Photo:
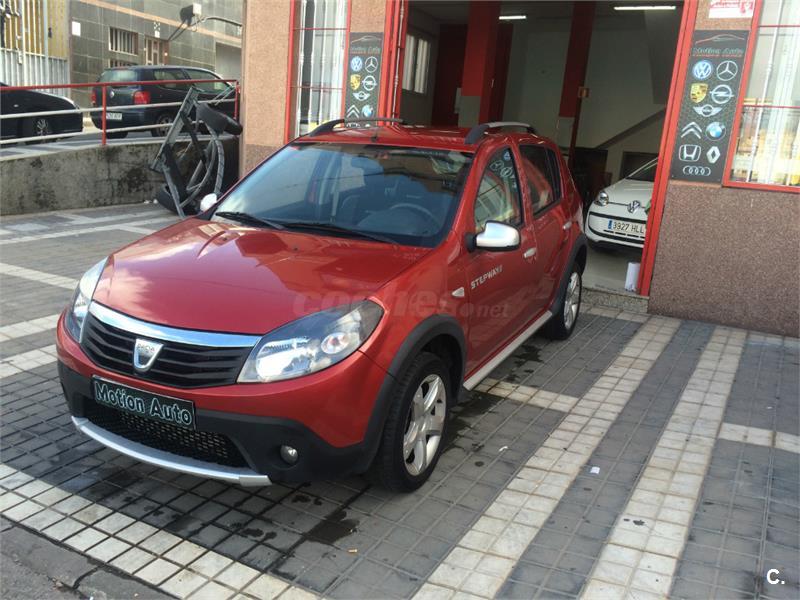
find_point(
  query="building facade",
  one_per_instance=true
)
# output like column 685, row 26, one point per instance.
column 137, row 32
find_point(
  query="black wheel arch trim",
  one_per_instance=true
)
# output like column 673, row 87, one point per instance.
column 579, row 244
column 429, row 329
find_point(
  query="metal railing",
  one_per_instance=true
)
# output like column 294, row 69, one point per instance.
column 104, row 108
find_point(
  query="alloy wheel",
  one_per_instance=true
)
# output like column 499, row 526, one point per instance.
column 572, row 300
column 42, row 127
column 425, row 424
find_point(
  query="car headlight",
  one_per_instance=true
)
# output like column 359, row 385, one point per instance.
column 79, row 307
column 311, row 343
column 602, row 198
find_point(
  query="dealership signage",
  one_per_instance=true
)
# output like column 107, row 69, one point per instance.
column 363, row 83
column 708, row 105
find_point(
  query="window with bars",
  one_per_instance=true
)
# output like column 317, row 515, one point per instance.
column 768, row 141
column 416, row 64
column 155, row 51
column 122, row 41
column 318, row 61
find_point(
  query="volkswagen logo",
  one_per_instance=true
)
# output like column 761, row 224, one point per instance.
column 634, row 206
column 145, row 353
column 702, row 69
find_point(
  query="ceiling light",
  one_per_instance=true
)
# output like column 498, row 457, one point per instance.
column 513, row 17
column 646, row 7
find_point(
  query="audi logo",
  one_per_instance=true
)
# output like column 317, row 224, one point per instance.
column 696, row 170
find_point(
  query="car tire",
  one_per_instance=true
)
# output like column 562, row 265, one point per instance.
column 562, row 323
column 164, row 119
column 420, row 406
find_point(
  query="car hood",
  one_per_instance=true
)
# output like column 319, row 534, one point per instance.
column 627, row 190
column 214, row 276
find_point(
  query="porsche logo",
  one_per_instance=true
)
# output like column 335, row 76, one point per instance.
column 355, row 81
column 698, row 92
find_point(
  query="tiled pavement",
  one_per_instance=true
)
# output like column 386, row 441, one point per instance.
column 644, row 457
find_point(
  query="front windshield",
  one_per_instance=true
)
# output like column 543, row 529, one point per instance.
column 645, row 173
column 405, row 195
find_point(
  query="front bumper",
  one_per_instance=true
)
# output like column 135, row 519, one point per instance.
column 333, row 418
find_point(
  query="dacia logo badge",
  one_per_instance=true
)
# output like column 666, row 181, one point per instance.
column 634, row 206
column 145, row 353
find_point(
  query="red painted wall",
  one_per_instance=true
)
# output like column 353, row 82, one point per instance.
column 452, row 44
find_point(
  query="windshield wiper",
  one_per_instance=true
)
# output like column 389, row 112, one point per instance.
column 247, row 218
column 330, row 227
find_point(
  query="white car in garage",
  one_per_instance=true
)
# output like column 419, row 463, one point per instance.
column 618, row 216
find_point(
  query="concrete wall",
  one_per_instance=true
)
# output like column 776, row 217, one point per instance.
column 97, row 176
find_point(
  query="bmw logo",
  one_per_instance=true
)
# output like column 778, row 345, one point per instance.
column 702, row 69
column 367, row 111
column 715, row 131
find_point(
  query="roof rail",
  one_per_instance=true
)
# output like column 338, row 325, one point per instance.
column 328, row 126
column 476, row 133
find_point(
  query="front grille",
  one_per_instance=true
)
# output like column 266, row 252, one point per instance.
column 201, row 445
column 177, row 365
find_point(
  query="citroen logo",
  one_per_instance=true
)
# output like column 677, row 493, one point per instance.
column 145, row 353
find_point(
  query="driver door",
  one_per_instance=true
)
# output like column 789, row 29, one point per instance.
column 500, row 284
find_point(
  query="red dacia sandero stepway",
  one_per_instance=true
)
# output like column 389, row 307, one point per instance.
column 323, row 317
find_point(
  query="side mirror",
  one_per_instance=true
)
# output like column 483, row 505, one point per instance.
column 207, row 202
column 498, row 237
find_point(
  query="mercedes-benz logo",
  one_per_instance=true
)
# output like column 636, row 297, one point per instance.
column 727, row 70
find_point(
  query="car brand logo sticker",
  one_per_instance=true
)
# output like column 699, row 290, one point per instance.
column 689, row 153
column 356, row 64
column 361, row 95
column 715, row 131
column 707, row 110
column 371, row 64
column 634, row 206
column 713, row 154
column 355, row 81
column 367, row 111
column 369, row 83
column 702, row 69
column 721, row 94
column 727, row 70
column 696, row 170
column 691, row 129
column 145, row 353
column 352, row 112
column 698, row 92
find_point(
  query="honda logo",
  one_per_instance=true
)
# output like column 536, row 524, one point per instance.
column 145, row 353
column 689, row 153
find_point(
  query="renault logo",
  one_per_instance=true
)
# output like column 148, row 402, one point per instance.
column 145, row 353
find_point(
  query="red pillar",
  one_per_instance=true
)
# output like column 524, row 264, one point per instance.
column 580, row 38
column 479, row 58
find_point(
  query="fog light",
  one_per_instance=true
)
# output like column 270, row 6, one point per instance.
column 289, row 454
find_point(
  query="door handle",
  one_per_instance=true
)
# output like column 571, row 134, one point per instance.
column 566, row 226
column 530, row 252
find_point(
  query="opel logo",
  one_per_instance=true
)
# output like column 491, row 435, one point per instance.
column 634, row 206
column 145, row 353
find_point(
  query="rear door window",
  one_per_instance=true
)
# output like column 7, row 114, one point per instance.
column 498, row 197
column 119, row 75
column 170, row 75
column 211, row 86
column 543, row 178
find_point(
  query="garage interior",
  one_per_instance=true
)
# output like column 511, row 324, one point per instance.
column 593, row 76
